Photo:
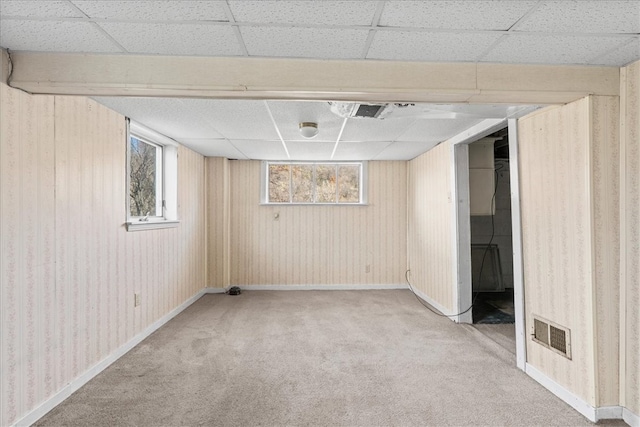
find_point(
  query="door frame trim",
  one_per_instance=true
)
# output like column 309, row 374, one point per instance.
column 462, row 226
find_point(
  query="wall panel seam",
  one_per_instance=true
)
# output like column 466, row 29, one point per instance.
column 592, row 251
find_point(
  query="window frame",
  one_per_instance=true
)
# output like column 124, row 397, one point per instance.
column 166, row 186
column 264, row 184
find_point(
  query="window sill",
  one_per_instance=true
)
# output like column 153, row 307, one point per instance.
column 151, row 225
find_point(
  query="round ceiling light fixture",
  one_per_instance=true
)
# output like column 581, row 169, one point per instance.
column 308, row 129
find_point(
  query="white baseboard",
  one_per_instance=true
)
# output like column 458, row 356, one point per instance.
column 609, row 413
column 442, row 309
column 320, row 287
column 567, row 396
column 214, row 290
column 37, row 413
column 630, row 418
column 593, row 414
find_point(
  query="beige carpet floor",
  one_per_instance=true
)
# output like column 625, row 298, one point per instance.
column 328, row 358
column 503, row 334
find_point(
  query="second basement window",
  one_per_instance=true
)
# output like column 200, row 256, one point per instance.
column 313, row 183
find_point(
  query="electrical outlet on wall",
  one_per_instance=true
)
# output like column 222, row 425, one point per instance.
column 367, row 269
column 137, row 300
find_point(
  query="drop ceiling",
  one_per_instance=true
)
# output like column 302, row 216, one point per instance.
column 242, row 129
column 524, row 32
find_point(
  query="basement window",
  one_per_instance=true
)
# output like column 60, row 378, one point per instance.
column 152, row 163
column 300, row 183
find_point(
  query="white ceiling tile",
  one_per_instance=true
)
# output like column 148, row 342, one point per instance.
column 310, row 150
column 405, row 150
column 43, row 9
column 164, row 10
column 437, row 130
column 289, row 114
column 362, row 150
column 242, row 129
column 584, row 17
column 261, row 150
column 304, row 42
column 375, row 129
column 547, row 49
column 236, row 119
column 429, row 46
column 54, row 36
column 468, row 15
column 169, row 116
column 175, row 39
column 625, row 54
column 213, row 148
column 304, row 12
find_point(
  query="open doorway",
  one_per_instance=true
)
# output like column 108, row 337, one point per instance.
column 491, row 230
column 475, row 177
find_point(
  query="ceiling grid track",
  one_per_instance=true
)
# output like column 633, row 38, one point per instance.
column 390, row 28
column 374, row 26
column 236, row 28
column 335, row 147
column 511, row 29
column 450, row 57
column 609, row 52
column 525, row 16
column 275, row 125
column 98, row 27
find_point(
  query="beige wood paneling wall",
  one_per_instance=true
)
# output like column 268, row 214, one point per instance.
column 323, row 245
column 604, row 174
column 217, row 178
column 431, row 225
column 630, row 232
column 569, row 201
column 28, row 332
column 69, row 267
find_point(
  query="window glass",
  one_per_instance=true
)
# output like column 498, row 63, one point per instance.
column 279, row 183
column 302, row 188
column 308, row 183
column 145, row 181
column 325, row 184
column 348, row 184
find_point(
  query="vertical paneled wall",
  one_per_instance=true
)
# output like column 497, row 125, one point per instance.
column 69, row 267
column 29, row 338
column 217, row 178
column 569, row 197
column 554, row 161
column 605, row 225
column 308, row 245
column 630, row 234
column 431, row 225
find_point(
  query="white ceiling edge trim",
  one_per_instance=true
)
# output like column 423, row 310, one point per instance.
column 482, row 129
column 145, row 132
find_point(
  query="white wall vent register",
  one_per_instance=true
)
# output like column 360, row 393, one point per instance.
column 553, row 336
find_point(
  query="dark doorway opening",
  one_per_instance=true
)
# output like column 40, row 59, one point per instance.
column 491, row 225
